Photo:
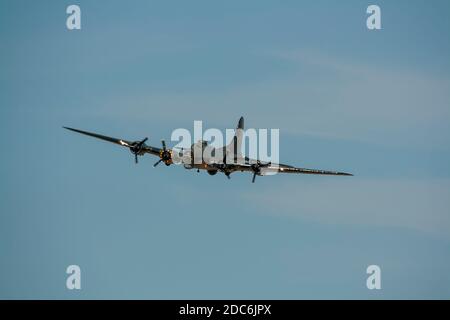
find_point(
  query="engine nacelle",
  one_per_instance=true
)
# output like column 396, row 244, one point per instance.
column 212, row 172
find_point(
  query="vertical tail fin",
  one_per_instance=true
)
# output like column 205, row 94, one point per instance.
column 234, row 150
column 239, row 136
column 241, row 123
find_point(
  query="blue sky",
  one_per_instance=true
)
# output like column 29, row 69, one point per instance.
column 345, row 98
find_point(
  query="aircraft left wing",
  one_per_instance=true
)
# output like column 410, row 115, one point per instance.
column 283, row 168
column 264, row 168
column 289, row 169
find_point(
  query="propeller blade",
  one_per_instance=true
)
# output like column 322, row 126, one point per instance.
column 140, row 143
column 254, row 177
column 157, row 162
column 163, row 144
column 136, row 158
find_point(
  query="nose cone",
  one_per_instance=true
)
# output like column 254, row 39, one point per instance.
column 241, row 123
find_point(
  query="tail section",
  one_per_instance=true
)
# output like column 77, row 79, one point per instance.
column 233, row 151
column 241, row 123
column 238, row 137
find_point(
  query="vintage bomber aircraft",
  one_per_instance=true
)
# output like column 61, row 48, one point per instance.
column 232, row 151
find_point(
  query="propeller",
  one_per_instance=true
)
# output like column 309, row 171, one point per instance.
column 136, row 148
column 223, row 167
column 256, row 167
column 165, row 155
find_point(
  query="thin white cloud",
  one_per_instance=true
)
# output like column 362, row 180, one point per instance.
column 411, row 204
column 346, row 101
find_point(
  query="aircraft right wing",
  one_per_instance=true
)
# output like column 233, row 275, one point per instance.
column 121, row 142
column 138, row 148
